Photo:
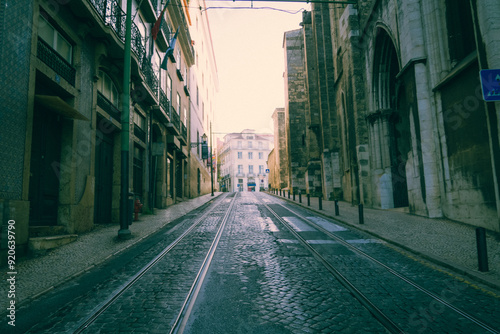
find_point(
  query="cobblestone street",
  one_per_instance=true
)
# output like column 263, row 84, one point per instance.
column 262, row 279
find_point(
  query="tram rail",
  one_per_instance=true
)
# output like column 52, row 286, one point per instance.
column 85, row 323
column 380, row 315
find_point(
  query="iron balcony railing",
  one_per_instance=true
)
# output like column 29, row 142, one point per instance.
column 113, row 16
column 184, row 132
column 175, row 119
column 151, row 78
column 108, row 107
column 50, row 57
column 164, row 103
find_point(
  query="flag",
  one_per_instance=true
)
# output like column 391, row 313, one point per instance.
column 157, row 26
column 170, row 50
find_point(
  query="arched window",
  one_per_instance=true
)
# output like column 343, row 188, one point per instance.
column 107, row 88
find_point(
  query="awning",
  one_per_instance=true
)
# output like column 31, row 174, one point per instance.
column 55, row 103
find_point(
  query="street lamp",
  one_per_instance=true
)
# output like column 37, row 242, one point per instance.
column 205, row 154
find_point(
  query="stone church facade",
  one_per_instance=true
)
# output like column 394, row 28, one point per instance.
column 395, row 112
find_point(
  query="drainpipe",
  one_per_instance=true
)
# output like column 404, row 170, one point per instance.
column 125, row 214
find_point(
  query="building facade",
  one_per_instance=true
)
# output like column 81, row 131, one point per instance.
column 402, row 119
column 278, row 158
column 61, row 121
column 243, row 161
column 203, row 85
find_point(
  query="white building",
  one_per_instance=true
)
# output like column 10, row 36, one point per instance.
column 243, row 161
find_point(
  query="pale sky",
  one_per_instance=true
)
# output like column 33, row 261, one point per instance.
column 248, row 46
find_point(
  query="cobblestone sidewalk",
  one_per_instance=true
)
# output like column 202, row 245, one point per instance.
column 38, row 275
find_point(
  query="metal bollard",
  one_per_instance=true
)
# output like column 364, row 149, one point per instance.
column 288, row 193
column 294, row 196
column 300, row 197
column 280, row 192
column 336, row 207
column 482, row 251
column 308, row 200
column 320, row 199
column 360, row 210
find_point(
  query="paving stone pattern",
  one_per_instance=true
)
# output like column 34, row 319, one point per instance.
column 260, row 284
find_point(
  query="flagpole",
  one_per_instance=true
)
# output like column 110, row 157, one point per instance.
column 125, row 211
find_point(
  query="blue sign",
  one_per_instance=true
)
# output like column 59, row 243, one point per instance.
column 267, row 170
column 490, row 82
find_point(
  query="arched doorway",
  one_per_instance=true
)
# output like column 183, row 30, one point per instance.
column 390, row 123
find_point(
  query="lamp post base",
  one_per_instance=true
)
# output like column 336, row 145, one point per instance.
column 124, row 234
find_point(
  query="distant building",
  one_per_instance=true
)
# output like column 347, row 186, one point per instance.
column 243, row 161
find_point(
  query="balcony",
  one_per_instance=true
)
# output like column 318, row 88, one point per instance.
column 150, row 76
column 238, row 174
column 183, row 136
column 164, row 103
column 139, row 133
column 53, row 60
column 108, row 107
column 175, row 122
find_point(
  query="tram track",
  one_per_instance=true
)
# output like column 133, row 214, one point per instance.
column 185, row 312
column 91, row 318
column 379, row 314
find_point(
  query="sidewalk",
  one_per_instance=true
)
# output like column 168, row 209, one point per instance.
column 36, row 276
column 442, row 241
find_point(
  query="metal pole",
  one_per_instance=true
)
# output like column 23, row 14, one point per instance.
column 336, row 207
column 360, row 210
column 124, row 232
column 300, row 196
column 211, row 161
column 482, row 251
column 308, row 199
column 320, row 199
column 294, row 195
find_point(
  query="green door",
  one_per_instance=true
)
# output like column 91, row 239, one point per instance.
column 45, row 167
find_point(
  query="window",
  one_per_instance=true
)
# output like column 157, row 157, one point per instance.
column 169, row 88
column 54, row 39
column 240, row 169
column 178, row 103
column 261, row 155
column 460, row 26
column 139, row 120
column 249, row 144
column 240, row 155
column 250, row 155
column 184, row 117
column 261, row 169
column 178, row 59
column 239, row 144
column 107, row 88
column 260, row 145
column 250, row 169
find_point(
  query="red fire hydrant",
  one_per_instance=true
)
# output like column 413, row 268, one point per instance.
column 137, row 208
